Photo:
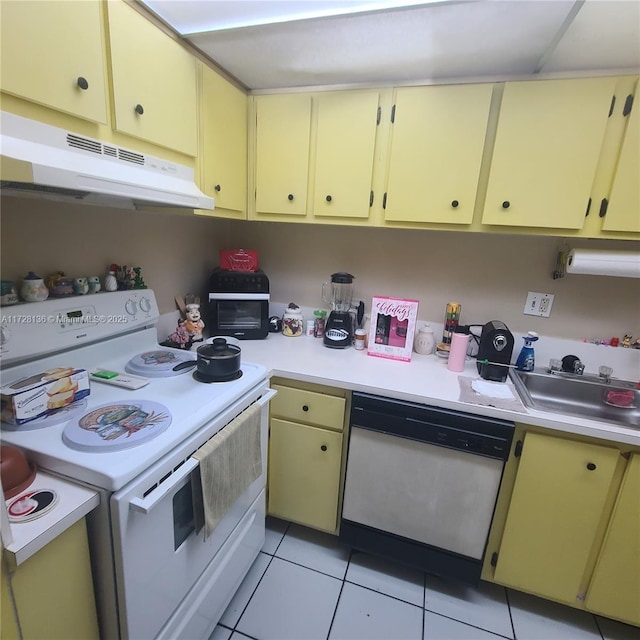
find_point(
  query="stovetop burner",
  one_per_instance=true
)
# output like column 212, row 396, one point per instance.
column 160, row 363
column 207, row 380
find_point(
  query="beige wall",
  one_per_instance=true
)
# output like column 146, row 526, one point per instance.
column 176, row 251
column 488, row 274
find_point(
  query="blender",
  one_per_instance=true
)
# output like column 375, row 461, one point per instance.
column 338, row 295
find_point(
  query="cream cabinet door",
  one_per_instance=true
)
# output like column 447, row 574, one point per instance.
column 437, row 142
column 223, row 145
column 154, row 82
column 547, row 146
column 623, row 210
column 615, row 588
column 304, row 474
column 283, row 126
column 53, row 54
column 556, row 510
column 344, row 158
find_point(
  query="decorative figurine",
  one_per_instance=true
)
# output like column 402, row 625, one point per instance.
column 110, row 280
column 80, row 286
column 138, row 282
column 94, row 284
column 193, row 321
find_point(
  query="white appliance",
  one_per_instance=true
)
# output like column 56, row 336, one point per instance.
column 46, row 161
column 155, row 576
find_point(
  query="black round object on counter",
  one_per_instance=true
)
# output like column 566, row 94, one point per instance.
column 218, row 361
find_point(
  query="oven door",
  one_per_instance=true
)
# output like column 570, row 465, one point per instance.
column 171, row 582
column 242, row 315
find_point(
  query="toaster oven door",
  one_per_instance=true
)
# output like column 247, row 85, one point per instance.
column 242, row 315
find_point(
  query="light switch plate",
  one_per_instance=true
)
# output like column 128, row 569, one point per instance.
column 538, row 304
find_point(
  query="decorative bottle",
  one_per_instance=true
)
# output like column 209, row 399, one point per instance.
column 526, row 360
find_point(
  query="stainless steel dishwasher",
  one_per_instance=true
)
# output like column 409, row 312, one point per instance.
column 421, row 483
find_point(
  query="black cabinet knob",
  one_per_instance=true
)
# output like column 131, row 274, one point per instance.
column 454, row 203
column 82, row 83
column 290, row 197
column 591, row 466
column 217, row 188
column 506, row 204
column 328, row 198
column 139, row 109
column 305, row 407
column 323, row 447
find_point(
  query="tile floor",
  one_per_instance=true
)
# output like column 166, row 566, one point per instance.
column 305, row 585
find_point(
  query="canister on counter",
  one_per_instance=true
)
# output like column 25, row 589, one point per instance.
column 320, row 316
column 451, row 319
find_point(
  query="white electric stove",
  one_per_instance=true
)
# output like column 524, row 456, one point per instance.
column 156, row 576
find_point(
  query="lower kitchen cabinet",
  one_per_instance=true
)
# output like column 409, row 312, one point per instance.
column 619, row 559
column 559, row 510
column 50, row 595
column 306, row 447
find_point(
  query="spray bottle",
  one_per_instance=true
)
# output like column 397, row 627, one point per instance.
column 526, row 359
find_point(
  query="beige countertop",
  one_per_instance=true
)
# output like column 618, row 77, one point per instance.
column 424, row 379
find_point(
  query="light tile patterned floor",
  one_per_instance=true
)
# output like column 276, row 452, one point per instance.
column 305, row 585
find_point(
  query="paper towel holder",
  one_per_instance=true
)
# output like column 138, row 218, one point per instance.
column 625, row 264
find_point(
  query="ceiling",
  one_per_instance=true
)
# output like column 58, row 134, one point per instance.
column 288, row 43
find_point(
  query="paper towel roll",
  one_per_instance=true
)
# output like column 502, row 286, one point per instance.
column 625, row 264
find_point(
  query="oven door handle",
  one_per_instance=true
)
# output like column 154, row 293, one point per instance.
column 267, row 397
column 144, row 505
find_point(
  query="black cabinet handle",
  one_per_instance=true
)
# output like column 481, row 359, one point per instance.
column 323, row 447
column 454, row 203
column 328, row 198
column 305, row 407
column 506, row 204
column 290, row 197
column 139, row 109
column 217, row 188
column 82, row 83
column 591, row 466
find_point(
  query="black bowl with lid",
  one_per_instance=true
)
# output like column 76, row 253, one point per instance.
column 218, row 362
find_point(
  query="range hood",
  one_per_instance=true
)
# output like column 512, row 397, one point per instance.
column 45, row 161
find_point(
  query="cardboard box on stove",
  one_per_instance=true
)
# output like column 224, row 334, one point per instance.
column 37, row 395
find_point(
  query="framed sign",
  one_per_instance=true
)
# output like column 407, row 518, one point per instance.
column 393, row 324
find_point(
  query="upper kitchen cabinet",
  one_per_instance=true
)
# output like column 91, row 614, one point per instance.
column 437, row 143
column 621, row 211
column 547, row 146
column 282, row 137
column 53, row 55
column 345, row 139
column 223, row 144
column 154, row 82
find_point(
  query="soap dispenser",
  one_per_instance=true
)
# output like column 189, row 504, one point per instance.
column 526, row 359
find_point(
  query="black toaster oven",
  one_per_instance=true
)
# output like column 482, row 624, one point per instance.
column 238, row 304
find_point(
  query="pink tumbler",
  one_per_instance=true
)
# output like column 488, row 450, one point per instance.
column 458, row 352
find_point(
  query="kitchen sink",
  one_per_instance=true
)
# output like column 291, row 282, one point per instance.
column 586, row 396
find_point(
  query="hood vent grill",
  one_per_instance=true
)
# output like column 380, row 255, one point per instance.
column 94, row 146
column 76, row 142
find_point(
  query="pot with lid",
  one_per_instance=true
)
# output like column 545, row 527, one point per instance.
column 218, row 361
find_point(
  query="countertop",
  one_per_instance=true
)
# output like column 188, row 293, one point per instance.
column 424, row 379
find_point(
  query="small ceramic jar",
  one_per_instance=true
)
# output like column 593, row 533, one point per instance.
column 292, row 321
column 424, row 341
column 110, row 281
column 33, row 288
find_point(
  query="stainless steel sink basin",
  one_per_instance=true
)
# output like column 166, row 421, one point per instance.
column 586, row 396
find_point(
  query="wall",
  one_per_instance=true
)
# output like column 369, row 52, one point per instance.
column 488, row 274
column 176, row 251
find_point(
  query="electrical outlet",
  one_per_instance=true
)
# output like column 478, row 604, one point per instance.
column 538, row 304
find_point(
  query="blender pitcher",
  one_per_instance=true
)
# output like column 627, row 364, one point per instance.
column 338, row 294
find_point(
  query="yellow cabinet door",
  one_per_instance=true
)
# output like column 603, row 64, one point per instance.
column 304, row 474
column 223, row 144
column 283, row 125
column 154, row 82
column 437, row 142
column 546, row 150
column 344, row 158
column 623, row 210
column 556, row 509
column 615, row 587
column 52, row 54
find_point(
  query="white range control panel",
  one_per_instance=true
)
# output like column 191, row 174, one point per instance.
column 37, row 328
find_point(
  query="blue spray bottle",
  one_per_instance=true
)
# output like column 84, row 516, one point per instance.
column 526, row 360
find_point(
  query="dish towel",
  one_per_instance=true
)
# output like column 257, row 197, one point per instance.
column 490, row 394
column 229, row 463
